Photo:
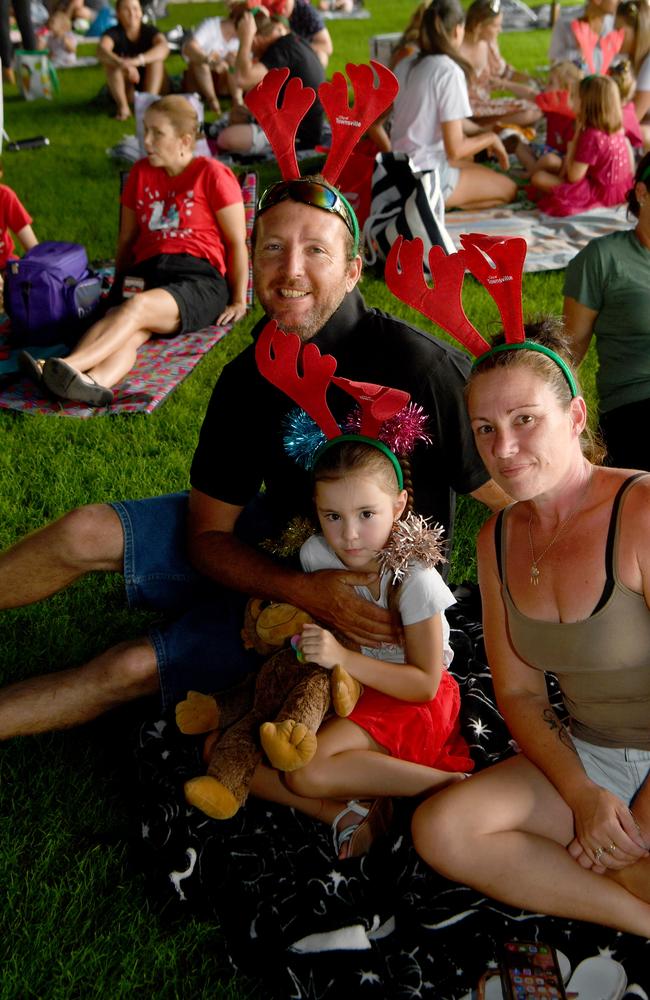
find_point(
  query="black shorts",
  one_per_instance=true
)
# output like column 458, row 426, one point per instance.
column 199, row 290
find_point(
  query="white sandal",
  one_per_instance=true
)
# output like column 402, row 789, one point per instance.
column 373, row 821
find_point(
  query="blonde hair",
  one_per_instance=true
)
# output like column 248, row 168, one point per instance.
column 180, row 114
column 622, row 75
column 600, row 104
column 567, row 75
column 636, row 15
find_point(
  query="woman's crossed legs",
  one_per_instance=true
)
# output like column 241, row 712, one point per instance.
column 505, row 832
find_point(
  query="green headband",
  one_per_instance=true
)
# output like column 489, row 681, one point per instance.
column 363, row 440
column 532, row 345
column 644, row 176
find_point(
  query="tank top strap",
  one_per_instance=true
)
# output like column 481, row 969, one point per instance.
column 500, row 541
column 612, row 538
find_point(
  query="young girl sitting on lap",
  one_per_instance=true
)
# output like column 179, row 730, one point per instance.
column 598, row 167
column 402, row 738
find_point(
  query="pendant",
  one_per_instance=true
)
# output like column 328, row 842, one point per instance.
column 534, row 574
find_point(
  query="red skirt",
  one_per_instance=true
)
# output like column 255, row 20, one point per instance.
column 423, row 732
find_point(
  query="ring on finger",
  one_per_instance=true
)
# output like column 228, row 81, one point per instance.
column 598, row 853
column 611, row 848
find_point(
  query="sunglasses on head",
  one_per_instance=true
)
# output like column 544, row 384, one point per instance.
column 312, row 193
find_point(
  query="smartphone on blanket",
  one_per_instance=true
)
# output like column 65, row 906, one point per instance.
column 530, row 971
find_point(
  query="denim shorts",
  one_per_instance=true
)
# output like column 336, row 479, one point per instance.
column 620, row 770
column 198, row 646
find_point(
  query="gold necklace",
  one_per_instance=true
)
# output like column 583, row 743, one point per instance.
column 536, row 560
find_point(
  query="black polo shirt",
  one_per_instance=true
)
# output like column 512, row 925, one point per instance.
column 240, row 445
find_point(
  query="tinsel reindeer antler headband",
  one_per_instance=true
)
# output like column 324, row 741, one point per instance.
column 587, row 40
column 497, row 263
column 387, row 419
column 372, row 96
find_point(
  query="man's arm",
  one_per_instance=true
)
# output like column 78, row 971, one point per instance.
column 327, row 595
column 492, row 496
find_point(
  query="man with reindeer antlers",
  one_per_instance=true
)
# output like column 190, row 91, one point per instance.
column 195, row 558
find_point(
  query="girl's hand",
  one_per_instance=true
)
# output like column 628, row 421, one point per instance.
column 607, row 835
column 232, row 313
column 319, row 646
column 498, row 150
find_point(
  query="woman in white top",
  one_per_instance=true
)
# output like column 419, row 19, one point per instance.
column 598, row 14
column 430, row 120
column 634, row 17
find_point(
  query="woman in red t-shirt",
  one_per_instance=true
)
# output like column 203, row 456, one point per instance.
column 181, row 248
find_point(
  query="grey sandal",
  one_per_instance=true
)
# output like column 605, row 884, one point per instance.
column 32, row 368
column 67, row 383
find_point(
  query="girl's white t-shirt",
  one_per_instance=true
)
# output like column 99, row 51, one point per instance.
column 432, row 90
column 423, row 593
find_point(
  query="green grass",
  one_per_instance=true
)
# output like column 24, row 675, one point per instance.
column 75, row 920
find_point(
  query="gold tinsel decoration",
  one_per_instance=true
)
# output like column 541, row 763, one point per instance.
column 298, row 530
column 413, row 539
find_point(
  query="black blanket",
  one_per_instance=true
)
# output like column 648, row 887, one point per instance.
column 310, row 926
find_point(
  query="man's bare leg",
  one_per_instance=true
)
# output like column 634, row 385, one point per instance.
column 70, row 697
column 48, row 560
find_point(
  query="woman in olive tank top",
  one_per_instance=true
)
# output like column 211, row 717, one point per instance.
column 563, row 827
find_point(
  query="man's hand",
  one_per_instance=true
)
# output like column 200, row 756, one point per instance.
column 317, row 645
column 328, row 596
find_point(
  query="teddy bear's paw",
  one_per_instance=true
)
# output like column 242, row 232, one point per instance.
column 288, row 745
column 211, row 797
column 197, row 714
column 345, row 691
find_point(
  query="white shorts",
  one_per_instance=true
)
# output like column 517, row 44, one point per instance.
column 449, row 177
column 619, row 770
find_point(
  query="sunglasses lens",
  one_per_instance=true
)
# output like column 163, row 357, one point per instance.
column 314, row 194
column 308, row 193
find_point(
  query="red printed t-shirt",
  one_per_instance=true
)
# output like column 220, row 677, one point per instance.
column 12, row 216
column 177, row 214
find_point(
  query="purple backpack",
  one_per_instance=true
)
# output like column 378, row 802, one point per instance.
column 50, row 291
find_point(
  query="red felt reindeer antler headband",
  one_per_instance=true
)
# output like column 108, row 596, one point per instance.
column 374, row 89
column 497, row 263
column 587, row 40
column 371, row 97
column 303, row 374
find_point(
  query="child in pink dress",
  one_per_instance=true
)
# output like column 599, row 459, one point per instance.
column 598, row 167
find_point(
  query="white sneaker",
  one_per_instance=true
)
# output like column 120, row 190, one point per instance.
column 598, row 978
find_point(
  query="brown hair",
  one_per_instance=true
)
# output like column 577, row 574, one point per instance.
column 479, row 13
column 635, row 14
column 633, row 206
column 548, row 331
column 180, row 114
column 438, row 22
column 348, row 458
column 600, row 104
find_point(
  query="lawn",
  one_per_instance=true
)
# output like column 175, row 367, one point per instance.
column 76, row 921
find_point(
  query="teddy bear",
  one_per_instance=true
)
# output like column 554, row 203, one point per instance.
column 290, row 699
